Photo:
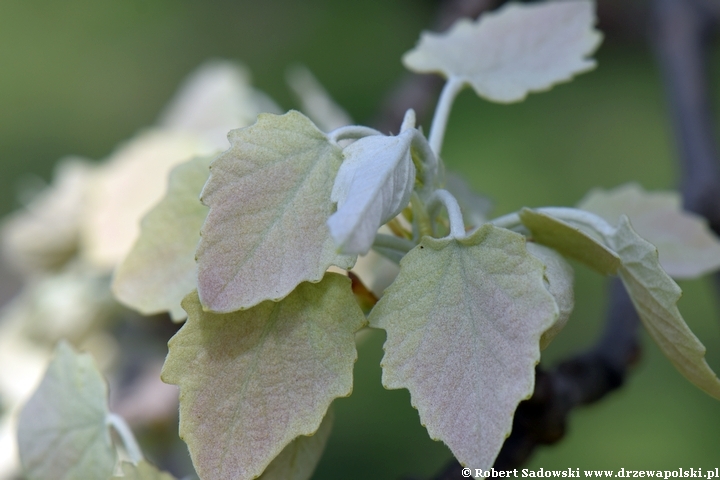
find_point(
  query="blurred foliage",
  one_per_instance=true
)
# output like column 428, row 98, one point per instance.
column 80, row 76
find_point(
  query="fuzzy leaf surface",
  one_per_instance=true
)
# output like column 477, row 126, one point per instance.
column 160, row 270
column 655, row 296
column 373, row 185
column 142, row 471
column 269, row 199
column 464, row 320
column 571, row 240
column 519, row 48
column 252, row 381
column 62, row 431
column 687, row 247
column 559, row 280
column 298, row 460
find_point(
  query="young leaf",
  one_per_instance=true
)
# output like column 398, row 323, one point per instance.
column 655, row 296
column 126, row 187
column 142, row 471
column 269, row 199
column 518, row 49
column 252, row 381
column 464, row 320
column 559, row 277
column 571, row 240
column 373, row 185
column 687, row 247
column 298, row 460
column 160, row 270
column 62, row 431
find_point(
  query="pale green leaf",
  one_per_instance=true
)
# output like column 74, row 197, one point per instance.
column 464, row 320
column 252, row 381
column 126, row 187
column 160, row 270
column 142, row 471
column 687, row 247
column 269, row 199
column 62, row 431
column 559, row 278
column 298, row 460
column 373, row 185
column 519, row 48
column 571, row 240
column 655, row 296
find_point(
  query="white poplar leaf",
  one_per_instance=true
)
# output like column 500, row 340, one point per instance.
column 269, row 199
column 299, row 459
column 559, row 280
column 160, row 270
column 687, row 247
column 253, row 380
column 216, row 98
column 519, row 48
column 45, row 235
column 373, row 185
column 464, row 319
column 655, row 296
column 62, row 432
column 142, row 471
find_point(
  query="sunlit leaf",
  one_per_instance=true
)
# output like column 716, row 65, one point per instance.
column 571, row 240
column 687, row 247
column 133, row 180
column 160, row 270
column 373, row 185
column 559, row 279
column 655, row 296
column 464, row 320
column 298, row 460
column 269, row 199
column 142, row 471
column 62, row 430
column 252, row 381
column 519, row 48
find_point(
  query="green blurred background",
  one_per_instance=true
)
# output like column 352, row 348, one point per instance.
column 79, row 76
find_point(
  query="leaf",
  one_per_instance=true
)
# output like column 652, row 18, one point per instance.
column 62, row 430
column 160, row 270
column 655, row 296
column 519, row 48
column 126, row 187
column 269, row 199
column 45, row 235
column 142, row 471
column 252, row 381
column 464, row 320
column 214, row 99
column 571, row 240
column 559, row 277
column 687, row 247
column 298, row 460
column 373, row 185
